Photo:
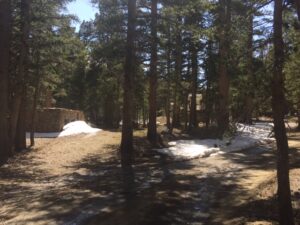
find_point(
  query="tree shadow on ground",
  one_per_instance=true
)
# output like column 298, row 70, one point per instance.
column 25, row 187
column 168, row 193
column 199, row 191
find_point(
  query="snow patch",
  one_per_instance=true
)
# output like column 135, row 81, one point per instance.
column 70, row 129
column 260, row 131
column 77, row 127
column 248, row 136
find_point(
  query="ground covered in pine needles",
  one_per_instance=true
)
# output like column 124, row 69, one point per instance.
column 78, row 180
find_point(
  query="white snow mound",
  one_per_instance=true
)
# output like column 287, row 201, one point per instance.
column 77, row 127
column 248, row 136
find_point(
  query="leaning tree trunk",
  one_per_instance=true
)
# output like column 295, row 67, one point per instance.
column 152, row 129
column 5, row 31
column 278, row 103
column 223, row 112
column 129, row 73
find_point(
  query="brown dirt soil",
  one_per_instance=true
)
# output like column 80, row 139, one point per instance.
column 78, row 180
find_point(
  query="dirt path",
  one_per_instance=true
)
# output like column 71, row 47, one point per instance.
column 78, row 180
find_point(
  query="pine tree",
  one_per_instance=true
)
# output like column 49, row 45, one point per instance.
column 152, row 132
column 286, row 216
column 129, row 74
column 224, row 80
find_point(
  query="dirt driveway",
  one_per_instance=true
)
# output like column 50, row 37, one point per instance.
column 78, row 180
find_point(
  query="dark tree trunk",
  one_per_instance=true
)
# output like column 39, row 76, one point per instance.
column 223, row 112
column 298, row 120
column 194, row 86
column 16, row 102
column 297, row 2
column 129, row 74
column 5, row 31
column 152, row 129
column 144, row 116
column 35, row 102
column 167, row 109
column 298, row 114
column 168, row 95
column 250, row 93
column 208, row 94
column 278, row 103
column 20, row 140
column 20, row 86
column 185, row 111
column 109, row 113
column 33, row 114
column 178, row 67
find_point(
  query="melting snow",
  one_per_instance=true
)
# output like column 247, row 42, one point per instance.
column 77, row 127
column 248, row 136
column 73, row 128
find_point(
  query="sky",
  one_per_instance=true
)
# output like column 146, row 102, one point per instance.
column 83, row 9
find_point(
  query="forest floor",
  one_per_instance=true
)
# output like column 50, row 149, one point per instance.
column 78, row 180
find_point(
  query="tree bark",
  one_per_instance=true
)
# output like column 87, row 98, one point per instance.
column 185, row 110
column 250, row 93
column 178, row 67
column 298, row 114
column 224, row 47
column 129, row 73
column 209, row 79
column 193, row 122
column 278, row 103
column 297, row 2
column 35, row 102
column 152, row 129
column 168, row 95
column 19, row 89
column 20, row 139
column 33, row 115
column 5, row 32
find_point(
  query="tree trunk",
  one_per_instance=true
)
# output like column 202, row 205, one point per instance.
column 185, row 110
column 168, row 95
column 298, row 114
column 152, row 129
column 20, row 140
column 250, row 93
column 33, row 115
column 178, row 66
column 194, row 86
column 129, row 73
column 297, row 2
column 208, row 93
column 223, row 112
column 5, row 31
column 19, row 89
column 278, row 103
column 35, row 102
column 109, row 112
column 16, row 102
column 167, row 109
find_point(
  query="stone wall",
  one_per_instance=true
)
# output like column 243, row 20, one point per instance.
column 54, row 119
